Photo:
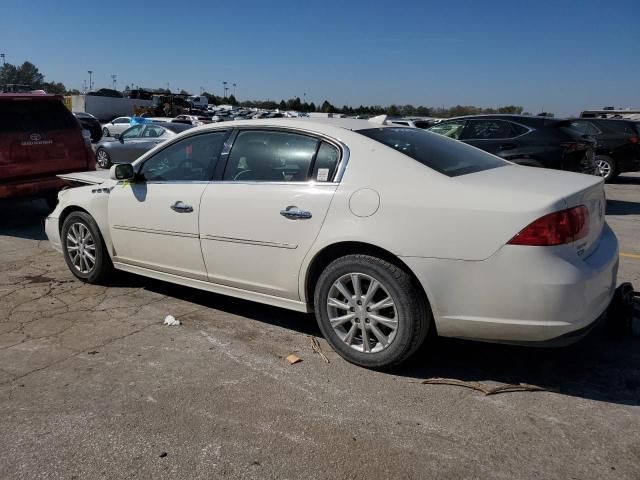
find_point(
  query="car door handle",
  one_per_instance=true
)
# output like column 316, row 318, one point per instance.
column 293, row 213
column 181, row 207
column 507, row 146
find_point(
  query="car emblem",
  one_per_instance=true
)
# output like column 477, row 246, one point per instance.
column 35, row 137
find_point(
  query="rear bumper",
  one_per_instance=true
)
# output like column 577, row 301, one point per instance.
column 30, row 188
column 521, row 294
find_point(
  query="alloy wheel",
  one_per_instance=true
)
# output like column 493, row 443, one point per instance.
column 81, row 248
column 604, row 168
column 362, row 313
column 102, row 158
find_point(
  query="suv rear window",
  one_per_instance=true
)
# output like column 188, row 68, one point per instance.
column 35, row 116
column 443, row 155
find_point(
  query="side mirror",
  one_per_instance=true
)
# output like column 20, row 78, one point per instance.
column 122, row 171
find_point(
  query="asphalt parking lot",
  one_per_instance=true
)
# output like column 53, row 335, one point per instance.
column 92, row 385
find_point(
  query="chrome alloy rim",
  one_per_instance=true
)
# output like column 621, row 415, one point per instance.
column 81, row 248
column 102, row 158
column 362, row 313
column 603, row 167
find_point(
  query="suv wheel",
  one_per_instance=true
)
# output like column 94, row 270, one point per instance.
column 370, row 311
column 103, row 159
column 606, row 167
column 84, row 249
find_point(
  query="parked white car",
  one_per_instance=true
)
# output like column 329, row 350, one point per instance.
column 385, row 232
column 115, row 126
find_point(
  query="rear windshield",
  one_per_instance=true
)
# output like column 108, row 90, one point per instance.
column 34, row 116
column 442, row 154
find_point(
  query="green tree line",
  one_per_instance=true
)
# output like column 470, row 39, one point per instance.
column 28, row 74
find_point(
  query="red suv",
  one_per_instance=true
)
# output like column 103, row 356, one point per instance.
column 39, row 138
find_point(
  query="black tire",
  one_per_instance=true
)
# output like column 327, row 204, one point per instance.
column 606, row 167
column 102, row 267
column 105, row 132
column 103, row 159
column 413, row 314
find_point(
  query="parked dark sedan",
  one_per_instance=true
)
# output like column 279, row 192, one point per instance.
column 135, row 141
column 532, row 141
column 618, row 144
column 91, row 123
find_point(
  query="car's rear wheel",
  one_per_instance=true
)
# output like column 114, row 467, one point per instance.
column 371, row 311
column 606, row 167
column 102, row 158
column 105, row 132
column 84, row 249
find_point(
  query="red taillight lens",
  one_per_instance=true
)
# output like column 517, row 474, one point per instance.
column 556, row 228
column 635, row 140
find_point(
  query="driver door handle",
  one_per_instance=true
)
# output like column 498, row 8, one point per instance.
column 181, row 207
column 293, row 213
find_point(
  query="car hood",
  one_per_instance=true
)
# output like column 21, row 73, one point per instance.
column 86, row 178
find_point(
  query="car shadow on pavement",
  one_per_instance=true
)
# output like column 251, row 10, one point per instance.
column 626, row 180
column 598, row 368
column 23, row 218
column 621, row 207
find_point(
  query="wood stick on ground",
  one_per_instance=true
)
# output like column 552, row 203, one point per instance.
column 487, row 390
column 315, row 346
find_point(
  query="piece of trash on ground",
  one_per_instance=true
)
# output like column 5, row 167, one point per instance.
column 315, row 346
column 486, row 389
column 171, row 321
column 293, row 359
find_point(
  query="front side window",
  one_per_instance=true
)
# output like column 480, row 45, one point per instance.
column 487, row 130
column 121, row 120
column 451, row 129
column 434, row 151
column 584, row 128
column 190, row 159
column 133, row 132
column 270, row 156
column 152, row 131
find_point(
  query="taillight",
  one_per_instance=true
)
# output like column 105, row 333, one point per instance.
column 574, row 146
column 635, row 140
column 557, row 228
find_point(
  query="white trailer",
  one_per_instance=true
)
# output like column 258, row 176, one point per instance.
column 106, row 108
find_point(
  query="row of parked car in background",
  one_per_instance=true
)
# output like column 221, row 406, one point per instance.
column 41, row 138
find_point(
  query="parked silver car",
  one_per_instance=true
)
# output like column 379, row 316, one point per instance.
column 134, row 142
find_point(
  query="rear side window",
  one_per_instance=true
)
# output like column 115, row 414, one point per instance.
column 434, row 151
column 326, row 163
column 269, row 156
column 487, row 130
column 584, row 128
column 35, row 116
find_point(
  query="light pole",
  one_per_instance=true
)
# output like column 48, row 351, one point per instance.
column 234, row 89
column 224, row 87
column 2, row 57
column 201, row 90
column 90, row 72
column 168, row 87
column 113, row 78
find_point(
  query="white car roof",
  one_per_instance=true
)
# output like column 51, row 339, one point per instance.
column 322, row 125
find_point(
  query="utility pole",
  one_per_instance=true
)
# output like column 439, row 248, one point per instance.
column 113, row 78
column 90, row 72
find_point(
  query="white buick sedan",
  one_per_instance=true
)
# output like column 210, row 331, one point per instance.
column 385, row 232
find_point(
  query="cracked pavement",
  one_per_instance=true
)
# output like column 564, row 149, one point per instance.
column 92, row 385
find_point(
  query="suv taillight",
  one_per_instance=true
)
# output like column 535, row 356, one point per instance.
column 635, row 140
column 557, row 228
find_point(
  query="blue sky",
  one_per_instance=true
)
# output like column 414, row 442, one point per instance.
column 562, row 56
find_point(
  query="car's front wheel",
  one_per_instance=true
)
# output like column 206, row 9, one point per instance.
column 371, row 311
column 84, row 249
column 103, row 159
column 105, row 132
column 606, row 167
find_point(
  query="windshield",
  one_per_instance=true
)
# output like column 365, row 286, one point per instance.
column 444, row 155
